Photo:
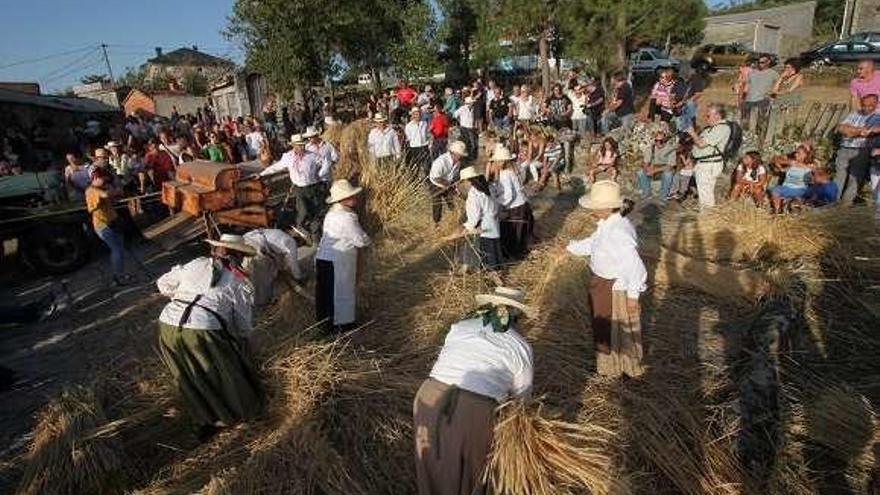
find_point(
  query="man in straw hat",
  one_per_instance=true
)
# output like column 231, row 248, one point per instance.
column 516, row 219
column 326, row 152
column 618, row 278
column 484, row 361
column 418, row 155
column 120, row 162
column 383, row 143
column 336, row 259
column 467, row 125
column 203, row 335
column 443, row 176
column 276, row 254
column 304, row 168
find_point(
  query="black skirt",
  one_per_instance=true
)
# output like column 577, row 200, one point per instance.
column 517, row 225
column 491, row 256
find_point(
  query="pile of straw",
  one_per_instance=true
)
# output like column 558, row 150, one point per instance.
column 69, row 453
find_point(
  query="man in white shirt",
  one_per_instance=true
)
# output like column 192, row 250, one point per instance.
column 383, row 143
column 708, row 154
column 255, row 141
column 418, row 155
column 484, row 361
column 443, row 176
column 618, row 278
column 336, row 259
column 303, row 167
column 326, row 152
column 465, row 117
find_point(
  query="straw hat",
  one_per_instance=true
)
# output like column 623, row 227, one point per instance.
column 459, row 148
column 234, row 242
column 604, row 195
column 505, row 296
column 112, row 144
column 342, row 189
column 468, row 173
column 297, row 139
column 310, row 132
column 379, row 118
column 415, row 109
column 100, row 152
column 500, row 154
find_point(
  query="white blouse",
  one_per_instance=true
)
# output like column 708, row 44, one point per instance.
column 416, row 134
column 508, row 190
column 465, row 116
column 383, row 144
column 482, row 214
column 232, row 297
column 479, row 360
column 613, row 252
column 342, row 233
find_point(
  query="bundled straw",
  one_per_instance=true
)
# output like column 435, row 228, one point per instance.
column 68, row 454
column 533, row 455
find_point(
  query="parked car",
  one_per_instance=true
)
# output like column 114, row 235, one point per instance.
column 646, row 60
column 870, row 37
column 725, row 55
column 840, row 52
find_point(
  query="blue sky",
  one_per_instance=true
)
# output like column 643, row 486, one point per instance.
column 71, row 30
column 67, row 34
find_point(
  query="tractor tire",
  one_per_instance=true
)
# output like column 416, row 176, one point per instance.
column 55, row 249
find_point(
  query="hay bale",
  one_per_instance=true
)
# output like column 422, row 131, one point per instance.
column 534, row 455
column 68, row 455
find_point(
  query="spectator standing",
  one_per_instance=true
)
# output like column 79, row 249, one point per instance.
column 558, row 108
column 758, row 88
column 255, row 140
column 621, row 106
column 99, row 203
column 466, row 123
column 439, row 128
column 452, row 101
column 418, row 155
column 688, row 108
column 866, row 82
column 383, row 143
column 789, row 81
column 708, row 153
column 579, row 117
column 214, row 151
column 499, row 109
column 526, row 106
column 77, row 177
column 595, row 105
column 478, row 94
column 853, row 155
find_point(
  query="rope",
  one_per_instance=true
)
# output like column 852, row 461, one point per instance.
column 73, row 210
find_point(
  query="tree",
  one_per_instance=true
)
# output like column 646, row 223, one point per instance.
column 195, row 83
column 295, row 42
column 93, row 78
column 531, row 19
column 603, row 31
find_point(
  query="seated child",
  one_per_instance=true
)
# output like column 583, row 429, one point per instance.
column 553, row 162
column 823, row 191
column 751, row 179
column 606, row 160
column 681, row 183
column 798, row 171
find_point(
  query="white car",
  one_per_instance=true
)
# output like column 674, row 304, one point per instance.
column 646, row 60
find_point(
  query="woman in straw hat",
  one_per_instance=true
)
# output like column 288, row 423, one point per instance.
column 618, row 278
column 336, row 259
column 481, row 227
column 516, row 219
column 484, row 362
column 203, row 335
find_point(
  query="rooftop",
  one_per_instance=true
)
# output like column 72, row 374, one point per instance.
column 187, row 56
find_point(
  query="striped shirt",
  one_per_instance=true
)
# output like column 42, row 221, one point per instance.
column 858, row 119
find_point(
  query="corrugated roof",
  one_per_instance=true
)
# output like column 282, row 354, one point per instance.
column 750, row 15
column 67, row 103
column 188, row 56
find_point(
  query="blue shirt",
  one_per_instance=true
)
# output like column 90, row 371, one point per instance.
column 797, row 177
column 858, row 119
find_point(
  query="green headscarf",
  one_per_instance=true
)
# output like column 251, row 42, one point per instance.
column 502, row 318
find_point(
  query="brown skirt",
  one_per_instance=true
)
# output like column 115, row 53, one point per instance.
column 453, row 436
column 617, row 335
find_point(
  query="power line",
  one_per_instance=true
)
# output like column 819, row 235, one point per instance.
column 107, row 60
column 74, row 70
column 68, row 65
column 47, row 57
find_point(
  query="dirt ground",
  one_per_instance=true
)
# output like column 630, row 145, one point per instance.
column 104, row 331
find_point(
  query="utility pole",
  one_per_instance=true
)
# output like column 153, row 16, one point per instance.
column 107, row 60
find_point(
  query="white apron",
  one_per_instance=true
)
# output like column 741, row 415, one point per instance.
column 344, row 287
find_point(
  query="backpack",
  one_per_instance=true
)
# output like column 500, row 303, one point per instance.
column 734, row 142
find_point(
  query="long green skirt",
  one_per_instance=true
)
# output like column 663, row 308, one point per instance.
column 214, row 376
